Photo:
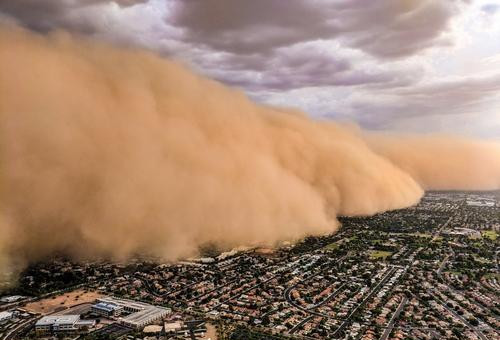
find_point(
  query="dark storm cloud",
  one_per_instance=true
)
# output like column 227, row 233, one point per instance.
column 297, row 67
column 352, row 58
column 384, row 28
column 309, row 64
column 273, row 44
column 241, row 26
column 44, row 15
column 389, row 28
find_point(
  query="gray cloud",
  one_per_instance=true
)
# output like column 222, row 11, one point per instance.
column 465, row 89
column 241, row 26
column 297, row 66
column 490, row 8
column 246, row 44
column 384, row 28
column 350, row 59
column 465, row 97
column 396, row 28
column 44, row 15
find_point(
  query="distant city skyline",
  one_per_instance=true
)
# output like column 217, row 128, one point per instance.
column 412, row 66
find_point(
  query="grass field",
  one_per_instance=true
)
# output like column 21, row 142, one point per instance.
column 491, row 234
column 379, row 254
column 425, row 235
column 481, row 259
column 332, row 246
column 492, row 275
column 335, row 245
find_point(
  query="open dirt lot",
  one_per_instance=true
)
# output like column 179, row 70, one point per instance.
column 61, row 302
column 211, row 332
column 78, row 309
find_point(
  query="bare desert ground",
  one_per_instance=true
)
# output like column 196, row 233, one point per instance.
column 61, row 302
column 211, row 333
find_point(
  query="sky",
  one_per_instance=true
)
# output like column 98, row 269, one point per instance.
column 422, row 66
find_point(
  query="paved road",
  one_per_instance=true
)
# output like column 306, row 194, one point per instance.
column 475, row 329
column 213, row 290
column 331, row 296
column 300, row 324
column 496, row 259
column 473, row 301
column 286, row 294
column 361, row 304
column 11, row 334
column 244, row 292
column 393, row 319
column 464, row 321
column 437, row 233
column 274, row 275
column 443, row 264
column 287, row 297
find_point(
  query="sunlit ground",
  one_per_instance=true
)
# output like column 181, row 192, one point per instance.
column 6, row 274
column 5, row 279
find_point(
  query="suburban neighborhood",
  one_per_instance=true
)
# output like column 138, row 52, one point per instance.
column 426, row 272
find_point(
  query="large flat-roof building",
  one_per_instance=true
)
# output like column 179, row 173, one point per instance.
column 5, row 316
column 141, row 314
column 12, row 298
column 62, row 324
column 107, row 309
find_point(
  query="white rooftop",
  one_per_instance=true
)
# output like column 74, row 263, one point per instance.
column 12, row 298
column 5, row 315
column 173, row 326
column 58, row 319
column 152, row 329
column 143, row 312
